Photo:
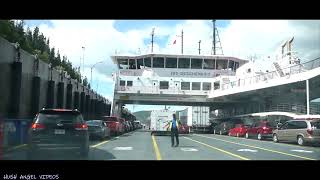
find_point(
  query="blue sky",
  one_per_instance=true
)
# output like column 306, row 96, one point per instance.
column 101, row 38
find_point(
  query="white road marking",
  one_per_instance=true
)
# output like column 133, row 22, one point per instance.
column 247, row 150
column 299, row 150
column 122, row 148
column 189, row 149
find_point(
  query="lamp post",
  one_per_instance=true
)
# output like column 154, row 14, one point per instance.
column 91, row 71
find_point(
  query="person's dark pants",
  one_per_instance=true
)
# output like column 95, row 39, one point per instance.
column 174, row 132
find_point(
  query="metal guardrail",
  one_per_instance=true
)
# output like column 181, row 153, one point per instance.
column 273, row 74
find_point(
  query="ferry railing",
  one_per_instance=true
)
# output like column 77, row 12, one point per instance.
column 157, row 90
column 295, row 69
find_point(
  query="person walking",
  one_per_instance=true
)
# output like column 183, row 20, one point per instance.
column 174, row 127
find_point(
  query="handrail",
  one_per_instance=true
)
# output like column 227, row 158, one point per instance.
column 273, row 74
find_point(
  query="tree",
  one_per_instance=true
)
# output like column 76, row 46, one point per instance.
column 85, row 81
column 52, row 57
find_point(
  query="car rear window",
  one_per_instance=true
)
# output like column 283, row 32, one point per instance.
column 93, row 122
column 59, row 117
column 315, row 124
column 110, row 119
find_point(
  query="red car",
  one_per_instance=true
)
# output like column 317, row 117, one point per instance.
column 183, row 129
column 240, row 130
column 114, row 124
column 260, row 130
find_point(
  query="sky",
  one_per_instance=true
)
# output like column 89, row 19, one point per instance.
column 102, row 38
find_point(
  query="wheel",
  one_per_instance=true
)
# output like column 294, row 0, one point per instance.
column 259, row 136
column 275, row 138
column 300, row 140
column 247, row 135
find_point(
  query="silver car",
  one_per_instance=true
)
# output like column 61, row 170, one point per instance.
column 300, row 131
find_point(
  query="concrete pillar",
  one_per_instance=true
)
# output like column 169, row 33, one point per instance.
column 50, row 94
column 69, row 96
column 87, row 105
column 15, row 89
column 82, row 103
column 76, row 104
column 35, row 95
column 60, row 95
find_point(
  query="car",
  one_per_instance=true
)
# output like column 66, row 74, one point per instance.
column 183, row 129
column 61, row 129
column 114, row 125
column 260, row 130
column 224, row 127
column 300, row 131
column 239, row 131
column 98, row 129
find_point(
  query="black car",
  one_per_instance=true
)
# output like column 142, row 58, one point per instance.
column 58, row 129
column 98, row 129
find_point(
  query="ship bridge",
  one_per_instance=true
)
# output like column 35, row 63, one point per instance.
column 156, row 79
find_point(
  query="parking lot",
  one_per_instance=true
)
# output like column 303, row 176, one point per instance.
column 140, row 145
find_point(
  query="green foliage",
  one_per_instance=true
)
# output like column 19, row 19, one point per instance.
column 34, row 42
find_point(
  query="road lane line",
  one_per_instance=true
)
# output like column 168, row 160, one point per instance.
column 227, row 152
column 156, row 148
column 270, row 150
column 15, row 147
column 93, row 146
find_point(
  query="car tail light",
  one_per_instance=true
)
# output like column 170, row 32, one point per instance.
column 37, row 126
column 310, row 131
column 81, row 126
column 264, row 128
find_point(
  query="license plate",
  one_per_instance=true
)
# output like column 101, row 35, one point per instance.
column 59, row 131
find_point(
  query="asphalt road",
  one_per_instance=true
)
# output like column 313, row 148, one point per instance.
column 140, row 145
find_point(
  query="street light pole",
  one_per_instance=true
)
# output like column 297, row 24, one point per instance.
column 91, row 71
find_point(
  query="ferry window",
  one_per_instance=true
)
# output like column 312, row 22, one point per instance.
column 171, row 63
column 184, row 63
column 196, row 85
column 206, row 86
column 236, row 65
column 185, row 85
column 209, row 64
column 147, row 62
column 216, row 85
column 129, row 83
column 196, row 63
column 222, row 64
column 122, row 83
column 158, row 62
column 231, row 64
column 139, row 63
column 123, row 63
column 164, row 85
column 132, row 64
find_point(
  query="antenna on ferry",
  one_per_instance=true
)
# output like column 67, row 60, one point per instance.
column 152, row 34
column 214, row 37
column 182, row 41
column 199, row 46
column 214, row 41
